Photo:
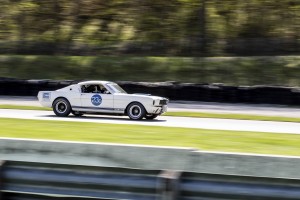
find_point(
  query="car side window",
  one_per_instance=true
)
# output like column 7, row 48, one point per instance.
column 87, row 89
column 94, row 89
column 84, row 89
column 103, row 90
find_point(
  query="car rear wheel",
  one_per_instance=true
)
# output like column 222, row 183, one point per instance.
column 136, row 111
column 152, row 116
column 61, row 107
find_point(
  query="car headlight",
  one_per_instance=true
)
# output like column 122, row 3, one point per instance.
column 163, row 102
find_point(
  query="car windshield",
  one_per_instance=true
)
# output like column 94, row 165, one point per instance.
column 116, row 88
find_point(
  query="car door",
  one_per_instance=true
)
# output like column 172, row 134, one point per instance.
column 74, row 96
column 97, row 102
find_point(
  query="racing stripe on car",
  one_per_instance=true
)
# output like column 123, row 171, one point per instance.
column 95, row 108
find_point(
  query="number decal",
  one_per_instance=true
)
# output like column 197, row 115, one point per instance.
column 46, row 96
column 96, row 100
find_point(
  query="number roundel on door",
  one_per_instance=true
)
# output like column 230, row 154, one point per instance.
column 96, row 100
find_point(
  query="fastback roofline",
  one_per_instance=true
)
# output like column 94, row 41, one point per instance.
column 94, row 82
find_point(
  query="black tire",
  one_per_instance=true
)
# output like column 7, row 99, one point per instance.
column 76, row 113
column 136, row 111
column 152, row 116
column 61, row 107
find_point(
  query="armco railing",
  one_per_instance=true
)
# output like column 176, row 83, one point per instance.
column 42, row 181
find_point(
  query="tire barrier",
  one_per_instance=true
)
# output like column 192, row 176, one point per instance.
column 45, row 181
column 172, row 90
column 22, row 87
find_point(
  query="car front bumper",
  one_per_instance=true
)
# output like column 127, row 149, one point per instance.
column 158, row 110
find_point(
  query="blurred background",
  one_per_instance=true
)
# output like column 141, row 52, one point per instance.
column 234, row 42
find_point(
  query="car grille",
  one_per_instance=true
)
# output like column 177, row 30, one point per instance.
column 163, row 102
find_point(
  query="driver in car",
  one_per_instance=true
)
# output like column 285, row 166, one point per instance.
column 103, row 90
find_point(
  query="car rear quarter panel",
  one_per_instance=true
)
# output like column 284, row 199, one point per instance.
column 51, row 96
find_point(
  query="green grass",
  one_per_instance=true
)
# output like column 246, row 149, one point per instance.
column 213, row 140
column 20, row 107
column 187, row 114
column 272, row 70
column 233, row 116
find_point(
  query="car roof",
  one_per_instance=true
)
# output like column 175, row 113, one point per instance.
column 94, row 82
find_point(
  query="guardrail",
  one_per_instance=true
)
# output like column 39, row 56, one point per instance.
column 137, row 156
column 45, row 181
column 41, row 181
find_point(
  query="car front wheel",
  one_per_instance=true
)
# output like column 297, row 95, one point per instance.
column 136, row 111
column 61, row 107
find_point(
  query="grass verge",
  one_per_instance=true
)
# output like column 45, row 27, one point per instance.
column 20, row 107
column 233, row 116
column 213, row 140
column 187, row 114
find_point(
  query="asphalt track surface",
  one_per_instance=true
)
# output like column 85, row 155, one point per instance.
column 189, row 106
column 183, row 122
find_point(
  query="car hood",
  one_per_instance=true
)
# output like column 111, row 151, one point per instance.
column 139, row 95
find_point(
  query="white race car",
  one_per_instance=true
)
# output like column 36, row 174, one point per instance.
column 102, row 97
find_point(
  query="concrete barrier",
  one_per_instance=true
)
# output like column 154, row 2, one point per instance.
column 245, row 164
column 96, row 154
column 148, row 157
